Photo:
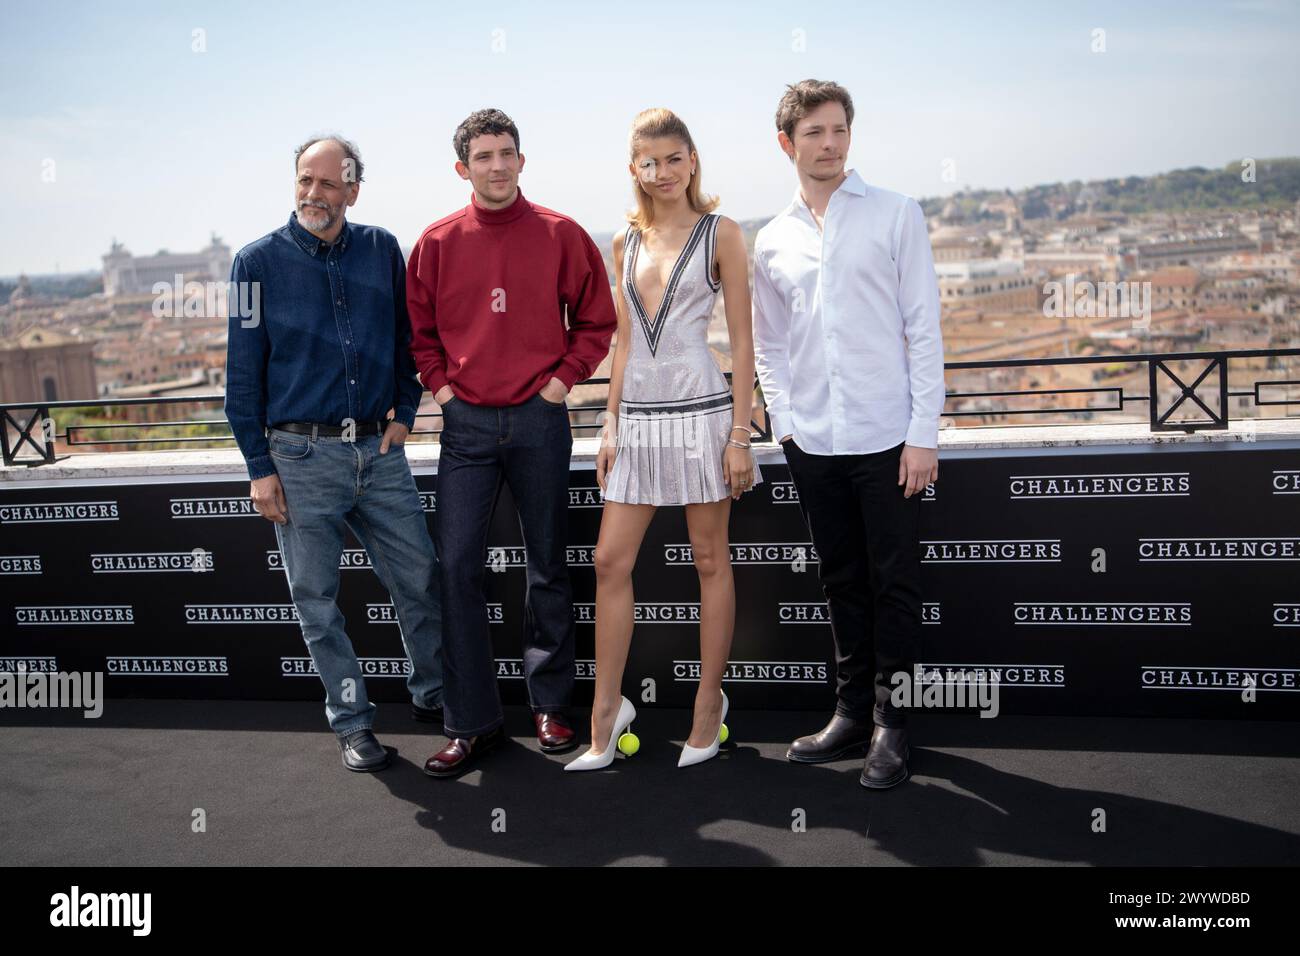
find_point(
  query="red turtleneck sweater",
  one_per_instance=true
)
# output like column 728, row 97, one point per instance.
column 488, row 292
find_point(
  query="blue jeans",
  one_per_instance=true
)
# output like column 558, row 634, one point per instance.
column 330, row 484
column 527, row 447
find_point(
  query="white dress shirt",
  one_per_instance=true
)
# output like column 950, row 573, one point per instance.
column 847, row 342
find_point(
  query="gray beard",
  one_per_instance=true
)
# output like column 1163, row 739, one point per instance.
column 312, row 214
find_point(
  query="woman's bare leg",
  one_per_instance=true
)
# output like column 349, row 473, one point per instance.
column 622, row 528
column 707, row 525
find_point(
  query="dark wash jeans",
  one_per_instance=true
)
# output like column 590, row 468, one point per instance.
column 867, row 536
column 528, row 447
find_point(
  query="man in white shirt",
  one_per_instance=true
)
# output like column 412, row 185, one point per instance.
column 850, row 356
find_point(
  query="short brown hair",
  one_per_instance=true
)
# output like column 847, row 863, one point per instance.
column 803, row 97
column 482, row 123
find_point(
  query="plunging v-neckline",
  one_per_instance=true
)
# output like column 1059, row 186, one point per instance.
column 653, row 328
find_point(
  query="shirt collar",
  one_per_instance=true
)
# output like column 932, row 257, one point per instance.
column 311, row 244
column 852, row 184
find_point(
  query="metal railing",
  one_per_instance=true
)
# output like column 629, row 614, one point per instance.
column 1158, row 373
column 26, row 429
column 19, row 430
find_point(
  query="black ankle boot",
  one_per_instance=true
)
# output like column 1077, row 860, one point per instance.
column 842, row 735
column 886, row 763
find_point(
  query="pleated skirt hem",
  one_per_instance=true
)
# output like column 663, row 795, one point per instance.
column 671, row 459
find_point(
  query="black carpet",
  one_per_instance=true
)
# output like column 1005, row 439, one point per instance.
column 1015, row 790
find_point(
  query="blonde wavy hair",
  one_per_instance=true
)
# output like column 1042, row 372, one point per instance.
column 654, row 124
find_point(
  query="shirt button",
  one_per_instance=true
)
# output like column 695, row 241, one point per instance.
column 353, row 381
column 338, row 301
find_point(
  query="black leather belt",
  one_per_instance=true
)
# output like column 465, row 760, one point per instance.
column 330, row 431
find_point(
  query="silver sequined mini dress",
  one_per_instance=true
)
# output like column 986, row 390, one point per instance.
column 675, row 413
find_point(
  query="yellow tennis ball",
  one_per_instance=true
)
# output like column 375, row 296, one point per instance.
column 723, row 733
column 629, row 743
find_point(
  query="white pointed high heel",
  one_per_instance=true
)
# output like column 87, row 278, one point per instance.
column 627, row 741
column 691, row 755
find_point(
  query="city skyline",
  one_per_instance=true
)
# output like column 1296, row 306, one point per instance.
column 141, row 129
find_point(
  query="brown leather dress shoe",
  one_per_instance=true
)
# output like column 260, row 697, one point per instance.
column 462, row 753
column 886, row 763
column 554, row 733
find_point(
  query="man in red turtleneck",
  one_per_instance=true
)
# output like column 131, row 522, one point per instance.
column 489, row 289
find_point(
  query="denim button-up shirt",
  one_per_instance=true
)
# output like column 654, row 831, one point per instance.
column 318, row 333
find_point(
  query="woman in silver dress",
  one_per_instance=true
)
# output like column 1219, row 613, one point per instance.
column 675, row 433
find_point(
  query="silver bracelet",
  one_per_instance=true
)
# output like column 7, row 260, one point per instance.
column 737, row 444
column 743, row 428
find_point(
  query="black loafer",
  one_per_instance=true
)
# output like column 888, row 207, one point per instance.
column 842, row 735
column 427, row 715
column 362, row 752
column 886, row 763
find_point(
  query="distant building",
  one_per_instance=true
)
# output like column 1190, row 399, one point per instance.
column 1174, row 288
column 22, row 293
column 986, row 284
column 1008, row 208
column 1190, row 250
column 1103, row 266
column 1277, row 267
column 957, row 248
column 42, row 365
column 125, row 274
column 1240, row 289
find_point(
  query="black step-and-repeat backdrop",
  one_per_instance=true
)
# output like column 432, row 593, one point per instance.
column 1151, row 583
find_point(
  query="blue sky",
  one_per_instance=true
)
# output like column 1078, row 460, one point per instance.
column 159, row 145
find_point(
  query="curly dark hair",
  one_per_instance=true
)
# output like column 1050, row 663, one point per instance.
column 482, row 123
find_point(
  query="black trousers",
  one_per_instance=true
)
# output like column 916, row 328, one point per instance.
column 867, row 537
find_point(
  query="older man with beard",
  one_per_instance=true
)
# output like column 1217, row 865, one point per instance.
column 311, row 378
